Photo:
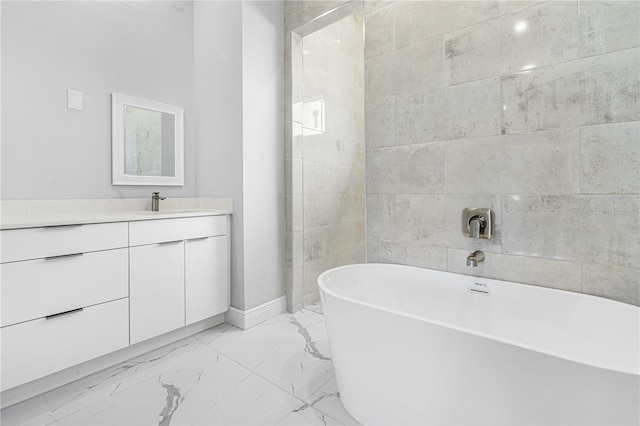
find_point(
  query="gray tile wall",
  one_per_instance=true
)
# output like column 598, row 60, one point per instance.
column 333, row 151
column 531, row 108
column 331, row 197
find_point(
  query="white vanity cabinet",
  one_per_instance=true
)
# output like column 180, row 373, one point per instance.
column 72, row 293
column 178, row 273
column 157, row 289
column 63, row 296
column 206, row 277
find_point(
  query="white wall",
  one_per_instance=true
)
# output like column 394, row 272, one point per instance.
column 221, row 60
column 218, row 109
column 239, row 134
column 142, row 49
column 263, row 172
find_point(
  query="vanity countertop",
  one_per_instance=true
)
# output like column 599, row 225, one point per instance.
column 37, row 221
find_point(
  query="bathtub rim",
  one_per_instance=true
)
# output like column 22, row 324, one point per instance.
column 492, row 337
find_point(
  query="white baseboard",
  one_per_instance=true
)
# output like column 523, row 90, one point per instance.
column 254, row 316
column 39, row 386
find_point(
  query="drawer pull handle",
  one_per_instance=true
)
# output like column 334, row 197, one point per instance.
column 48, row 317
column 170, row 242
column 69, row 225
column 198, row 239
column 63, row 256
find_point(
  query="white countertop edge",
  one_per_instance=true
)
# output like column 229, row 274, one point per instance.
column 20, row 222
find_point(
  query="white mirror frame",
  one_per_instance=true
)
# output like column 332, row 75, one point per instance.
column 119, row 177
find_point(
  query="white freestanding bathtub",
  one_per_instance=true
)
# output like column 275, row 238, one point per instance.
column 417, row 346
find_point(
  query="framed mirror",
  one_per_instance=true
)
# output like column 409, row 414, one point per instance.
column 147, row 140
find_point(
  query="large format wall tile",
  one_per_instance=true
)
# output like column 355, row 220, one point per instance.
column 530, row 163
column 297, row 13
column 536, row 36
column 344, row 236
column 407, row 218
column 293, row 176
column 293, row 212
column 609, row 226
column 466, row 110
column 542, row 226
column 510, row 6
column 411, row 69
column 406, row 169
column 295, row 293
column 538, row 106
column 423, row 256
column 612, row 282
column 611, row 158
column 597, row 90
column 416, row 21
column 607, row 26
column 332, row 208
column 371, row 5
column 428, row 219
column 322, row 178
column 380, row 128
column 380, row 31
column 313, row 243
column 552, row 273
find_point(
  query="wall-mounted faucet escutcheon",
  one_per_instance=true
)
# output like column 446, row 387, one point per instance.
column 478, row 223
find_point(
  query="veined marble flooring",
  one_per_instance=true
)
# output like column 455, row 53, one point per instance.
column 277, row 373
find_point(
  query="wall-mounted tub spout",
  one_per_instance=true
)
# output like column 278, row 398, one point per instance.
column 474, row 258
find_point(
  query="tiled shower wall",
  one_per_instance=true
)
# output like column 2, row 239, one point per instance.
column 529, row 108
column 300, row 18
column 333, row 151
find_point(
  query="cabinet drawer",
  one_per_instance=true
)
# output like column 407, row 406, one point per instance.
column 36, row 288
column 34, row 243
column 40, row 347
column 162, row 230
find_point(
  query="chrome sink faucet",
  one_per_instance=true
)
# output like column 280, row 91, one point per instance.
column 474, row 258
column 155, row 201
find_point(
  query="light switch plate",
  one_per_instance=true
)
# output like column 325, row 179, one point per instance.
column 74, row 100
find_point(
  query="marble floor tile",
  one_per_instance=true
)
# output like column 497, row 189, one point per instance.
column 291, row 351
column 302, row 363
column 137, row 405
column 253, row 401
column 75, row 396
column 327, row 400
column 308, row 416
column 279, row 372
column 316, row 307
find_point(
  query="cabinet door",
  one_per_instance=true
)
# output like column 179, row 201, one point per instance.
column 156, row 289
column 206, row 278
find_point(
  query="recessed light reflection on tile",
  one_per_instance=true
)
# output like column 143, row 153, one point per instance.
column 520, row 27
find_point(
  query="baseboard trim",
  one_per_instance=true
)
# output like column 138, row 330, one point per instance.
column 44, row 384
column 254, row 316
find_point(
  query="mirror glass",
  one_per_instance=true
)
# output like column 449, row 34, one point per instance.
column 147, row 142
